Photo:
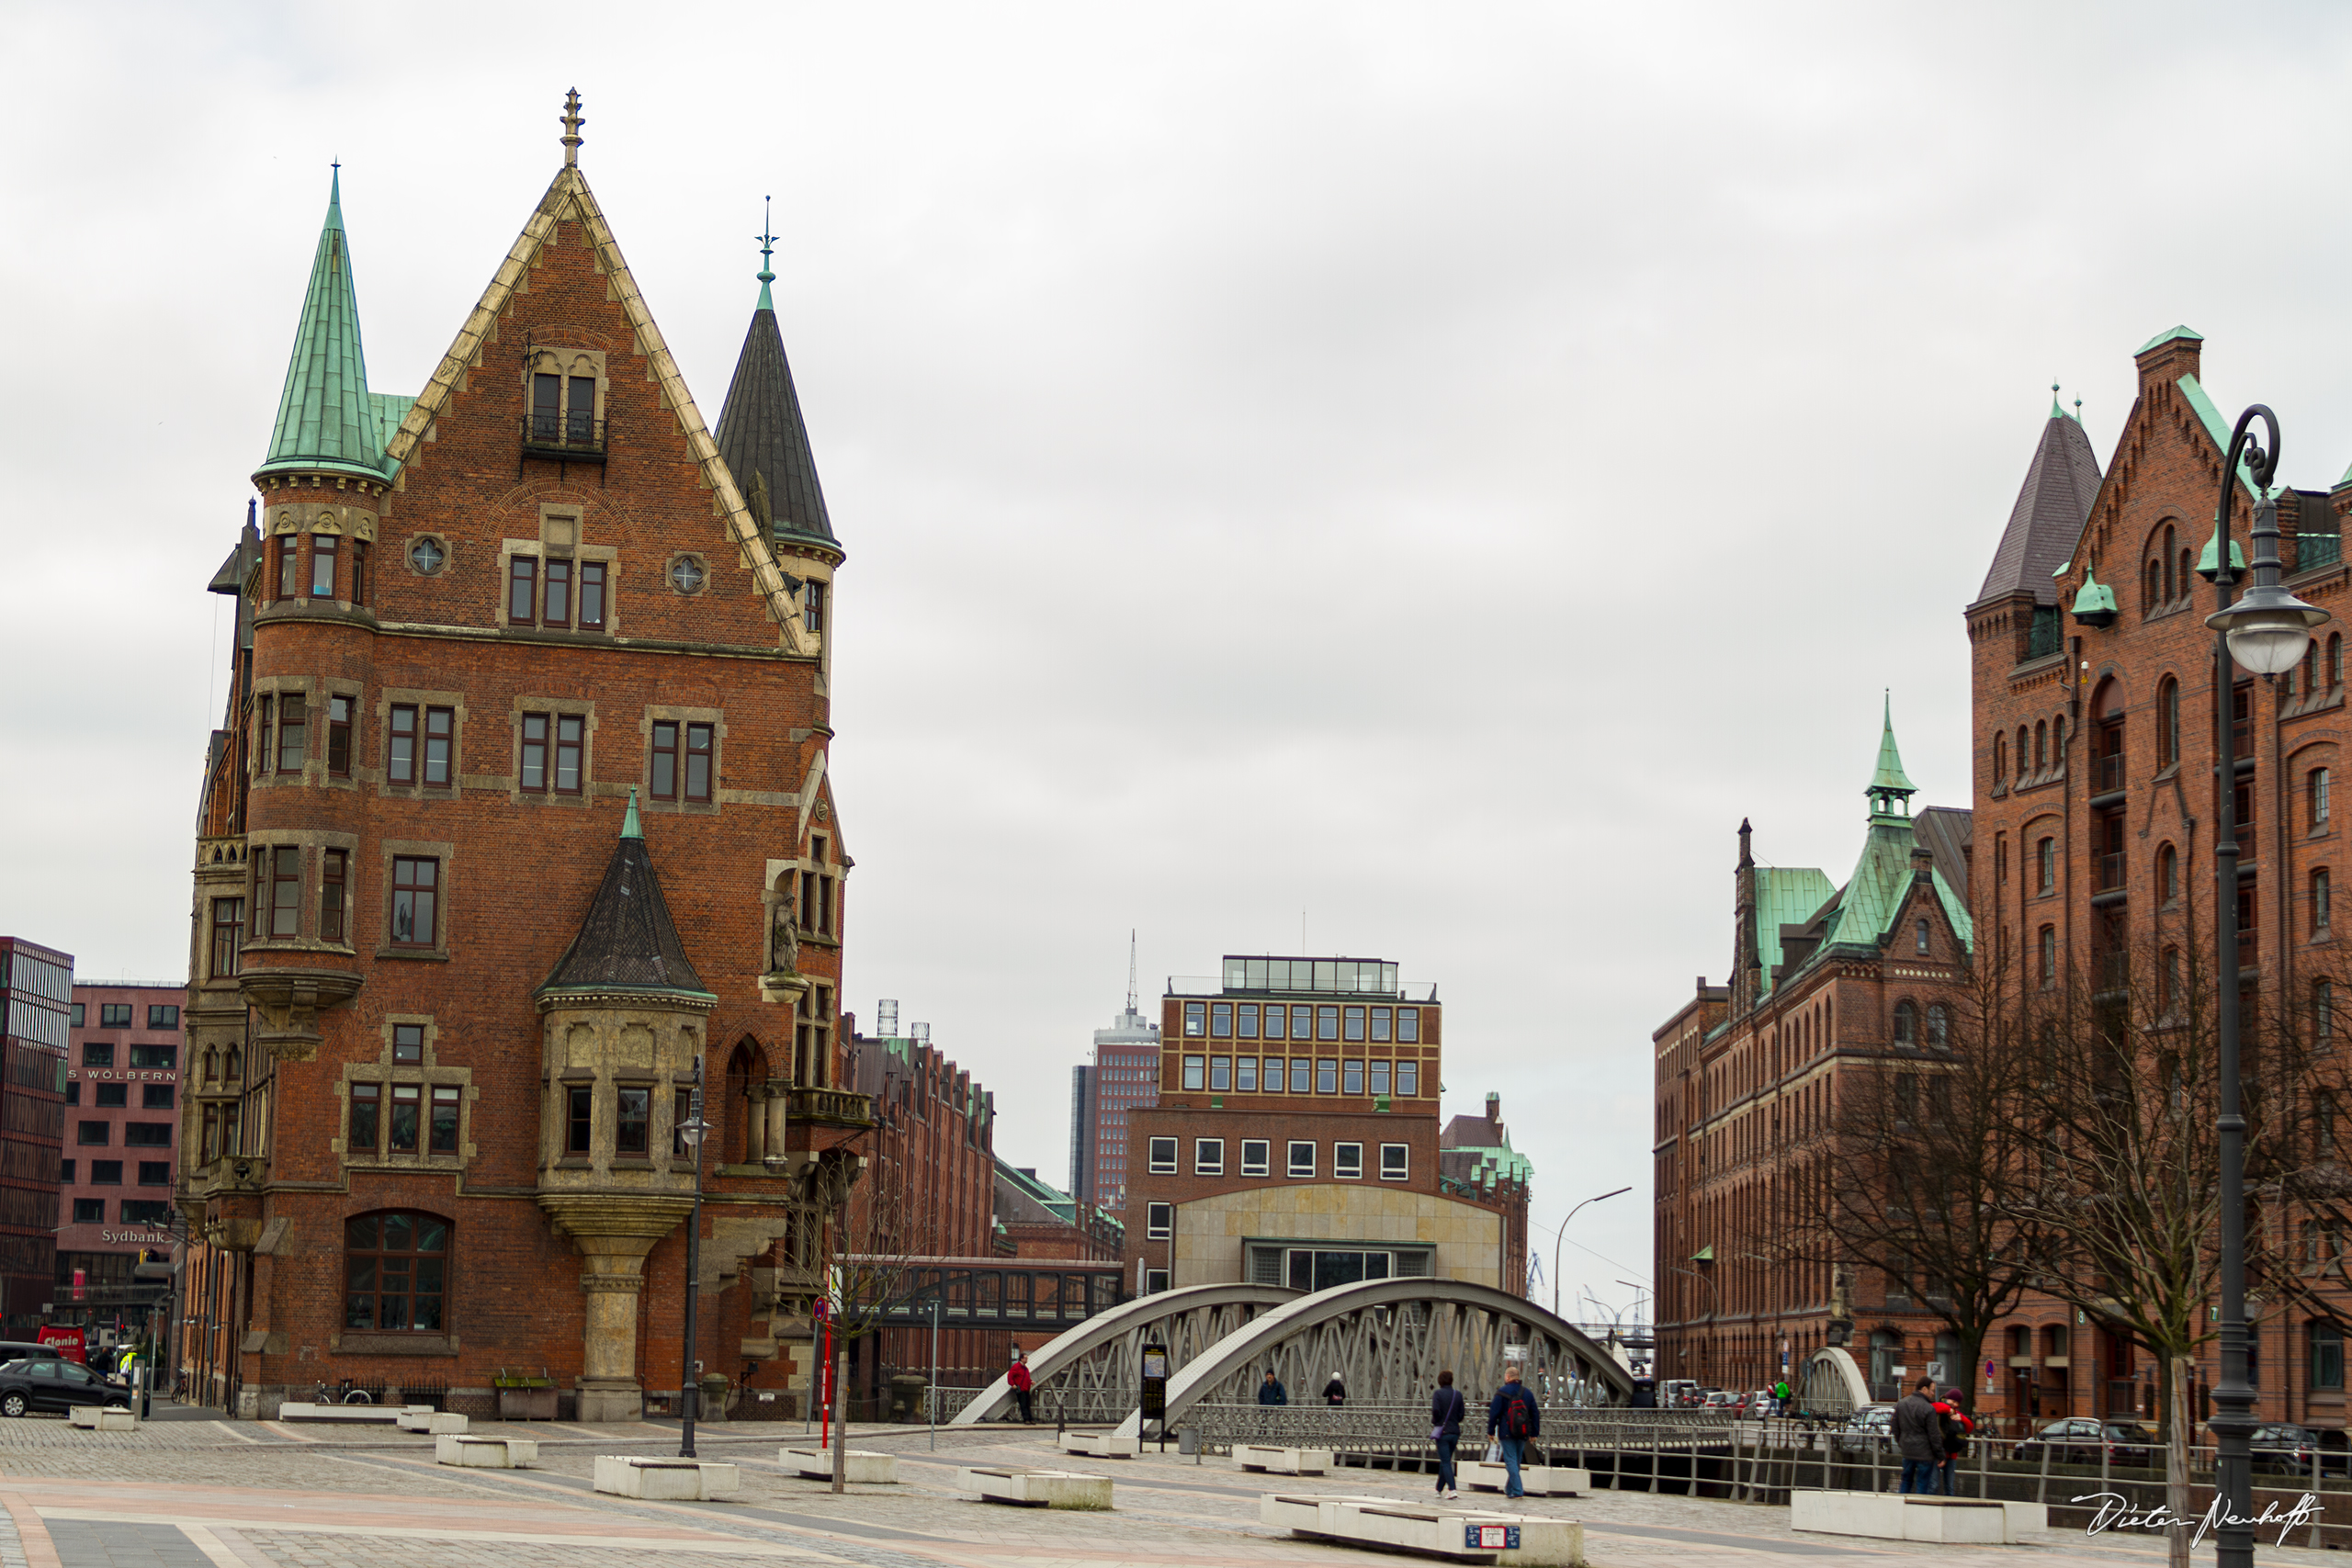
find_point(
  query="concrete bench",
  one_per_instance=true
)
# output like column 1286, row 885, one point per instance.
column 351, row 1414
column 485, row 1453
column 1101, row 1445
column 667, row 1480
column 1894, row 1515
column 1282, row 1462
column 1535, row 1480
column 1037, row 1488
column 865, row 1466
column 101, row 1418
column 1465, row 1535
column 435, row 1421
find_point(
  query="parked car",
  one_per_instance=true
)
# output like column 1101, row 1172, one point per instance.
column 2288, row 1449
column 1871, row 1426
column 25, row 1349
column 52, row 1383
column 2078, row 1440
column 1717, row 1399
column 1678, row 1394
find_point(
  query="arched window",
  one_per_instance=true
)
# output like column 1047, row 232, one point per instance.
column 2167, row 874
column 1919, row 938
column 2152, row 595
column 2336, row 659
column 1906, row 1023
column 2022, row 755
column 2323, row 1016
column 2315, row 799
column 2046, row 865
column 395, row 1273
column 2000, row 761
column 2185, row 573
column 2167, row 723
column 2041, row 749
column 2311, row 668
column 2320, row 903
column 2048, row 958
column 2171, row 586
column 1938, row 1026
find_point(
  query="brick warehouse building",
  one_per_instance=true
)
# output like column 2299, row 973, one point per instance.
column 519, row 811
column 2096, row 752
column 1295, row 1140
column 1825, row 978
column 122, row 1121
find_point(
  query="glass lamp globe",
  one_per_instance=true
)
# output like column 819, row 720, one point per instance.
column 2267, row 630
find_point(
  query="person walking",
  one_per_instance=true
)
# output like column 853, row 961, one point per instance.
column 1781, row 1397
column 1335, row 1393
column 1272, row 1391
column 1513, row 1418
column 1447, row 1408
column 1017, row 1375
column 1919, row 1436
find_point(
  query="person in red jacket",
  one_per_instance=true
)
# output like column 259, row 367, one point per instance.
column 1951, row 1418
column 1018, row 1376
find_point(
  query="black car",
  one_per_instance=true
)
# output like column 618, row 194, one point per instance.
column 38, row 1383
column 2079, row 1439
column 2288, row 1450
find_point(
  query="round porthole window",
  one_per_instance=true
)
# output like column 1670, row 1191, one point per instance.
column 687, row 574
column 427, row 554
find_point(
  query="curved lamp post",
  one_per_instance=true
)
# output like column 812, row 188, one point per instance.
column 2267, row 632
column 1562, row 1232
column 690, row 1133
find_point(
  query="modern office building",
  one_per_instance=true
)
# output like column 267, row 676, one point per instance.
column 36, row 999
column 1294, row 1136
column 1123, row 1078
column 122, row 1085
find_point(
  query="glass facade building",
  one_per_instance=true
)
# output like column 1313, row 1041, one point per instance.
column 37, row 993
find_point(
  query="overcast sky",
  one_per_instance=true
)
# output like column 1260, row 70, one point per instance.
column 1413, row 476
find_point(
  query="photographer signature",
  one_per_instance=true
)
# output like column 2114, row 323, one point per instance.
column 2115, row 1512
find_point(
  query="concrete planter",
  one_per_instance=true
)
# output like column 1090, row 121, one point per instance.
column 667, row 1480
column 1282, row 1462
column 1894, row 1515
column 1465, row 1535
column 1037, row 1488
column 862, row 1466
column 485, row 1453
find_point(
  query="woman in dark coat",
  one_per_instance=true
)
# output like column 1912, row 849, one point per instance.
column 1446, row 1410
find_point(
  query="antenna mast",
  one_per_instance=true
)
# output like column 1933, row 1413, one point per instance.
column 1131, row 969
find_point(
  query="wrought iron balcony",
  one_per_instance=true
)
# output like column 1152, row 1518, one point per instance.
column 2109, row 774
column 565, row 439
column 2318, row 550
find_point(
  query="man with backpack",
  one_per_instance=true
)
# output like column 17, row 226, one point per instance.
column 1513, row 1419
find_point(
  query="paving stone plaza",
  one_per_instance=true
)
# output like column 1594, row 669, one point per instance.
column 192, row 1493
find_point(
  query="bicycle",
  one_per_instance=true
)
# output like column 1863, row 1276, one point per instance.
column 344, row 1395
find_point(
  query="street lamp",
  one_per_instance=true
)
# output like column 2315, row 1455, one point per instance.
column 690, row 1133
column 2266, row 631
column 1562, row 1232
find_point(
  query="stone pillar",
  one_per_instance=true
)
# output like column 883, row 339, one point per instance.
column 756, row 1147
column 613, row 1232
column 779, row 1101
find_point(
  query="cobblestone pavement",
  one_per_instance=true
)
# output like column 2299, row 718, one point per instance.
column 196, row 1494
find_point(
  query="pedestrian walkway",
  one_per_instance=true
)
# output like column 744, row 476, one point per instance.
column 202, row 1494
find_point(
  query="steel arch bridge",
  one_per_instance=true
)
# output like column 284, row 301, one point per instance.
column 1831, row 1385
column 1388, row 1339
column 1093, row 1370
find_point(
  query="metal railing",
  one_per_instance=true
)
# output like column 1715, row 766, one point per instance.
column 2109, row 771
column 2109, row 872
column 554, row 435
column 2317, row 549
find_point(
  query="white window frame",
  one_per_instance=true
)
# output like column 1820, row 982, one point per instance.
column 1208, row 1156
column 1262, row 1165
column 1290, row 1161
column 1155, row 1281
column 1340, row 1162
column 1404, row 1162
column 1194, row 1067
column 1158, row 1221
column 1157, row 1165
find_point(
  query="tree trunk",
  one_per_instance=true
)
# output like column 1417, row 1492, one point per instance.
column 2177, row 1374
column 841, row 1419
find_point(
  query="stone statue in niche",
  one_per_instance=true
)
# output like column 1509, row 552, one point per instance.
column 783, row 941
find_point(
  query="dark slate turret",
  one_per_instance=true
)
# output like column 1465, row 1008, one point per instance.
column 628, row 941
column 2051, row 507
column 761, row 435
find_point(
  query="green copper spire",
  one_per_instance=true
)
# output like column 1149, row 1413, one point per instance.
column 326, row 421
column 630, row 826
column 767, row 250
column 1889, row 785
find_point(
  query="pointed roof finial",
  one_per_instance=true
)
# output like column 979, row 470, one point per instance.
column 572, row 121
column 1890, row 782
column 2078, row 410
column 630, row 826
column 767, row 252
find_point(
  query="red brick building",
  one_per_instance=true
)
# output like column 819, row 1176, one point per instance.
column 518, row 816
column 1294, row 1137
column 115, row 1185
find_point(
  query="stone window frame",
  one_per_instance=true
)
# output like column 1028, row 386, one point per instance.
column 671, row 713
column 448, row 567
column 388, row 850
column 585, row 707
column 604, row 1086
column 429, row 1073
column 313, row 842
column 560, row 536
column 420, row 698
column 669, row 583
column 566, row 360
column 295, row 519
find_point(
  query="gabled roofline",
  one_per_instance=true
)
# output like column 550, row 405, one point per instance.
column 569, row 189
